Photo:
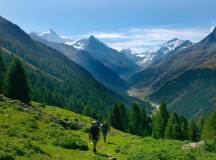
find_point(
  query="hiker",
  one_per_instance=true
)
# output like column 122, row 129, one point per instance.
column 105, row 129
column 94, row 134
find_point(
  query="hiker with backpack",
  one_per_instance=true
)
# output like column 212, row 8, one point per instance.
column 94, row 134
column 105, row 129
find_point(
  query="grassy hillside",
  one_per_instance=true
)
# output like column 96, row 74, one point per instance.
column 37, row 131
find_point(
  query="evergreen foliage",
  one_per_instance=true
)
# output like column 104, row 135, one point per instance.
column 135, row 120
column 209, row 129
column 115, row 119
column 184, row 127
column 123, row 117
column 160, row 119
column 192, row 131
column 148, row 128
column 2, row 71
column 90, row 112
column 17, row 84
column 173, row 129
column 143, row 121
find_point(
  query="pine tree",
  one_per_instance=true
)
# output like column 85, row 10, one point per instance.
column 184, row 127
column 123, row 117
column 192, row 131
column 201, row 124
column 173, row 129
column 114, row 118
column 160, row 119
column 17, row 84
column 143, row 121
column 148, row 128
column 135, row 120
column 2, row 72
column 90, row 111
column 209, row 129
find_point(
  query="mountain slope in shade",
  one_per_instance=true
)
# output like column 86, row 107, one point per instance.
column 166, row 80
column 111, row 58
column 72, row 85
column 193, row 93
column 102, row 73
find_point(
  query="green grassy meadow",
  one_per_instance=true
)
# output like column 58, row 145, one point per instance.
column 33, row 132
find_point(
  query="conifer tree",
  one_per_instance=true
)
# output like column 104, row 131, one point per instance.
column 135, row 120
column 160, row 119
column 143, row 121
column 114, row 118
column 192, row 131
column 2, row 71
column 148, row 128
column 201, row 124
column 123, row 117
column 90, row 111
column 173, row 129
column 17, row 84
column 209, row 129
column 184, row 127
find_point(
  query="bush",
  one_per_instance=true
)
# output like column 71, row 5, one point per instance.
column 210, row 145
column 12, row 132
column 71, row 142
column 6, row 156
column 32, row 124
column 140, row 155
column 30, row 146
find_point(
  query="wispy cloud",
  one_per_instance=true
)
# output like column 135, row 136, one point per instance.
column 140, row 39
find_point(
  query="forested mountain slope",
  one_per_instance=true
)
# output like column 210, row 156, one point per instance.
column 102, row 73
column 54, row 78
column 180, row 79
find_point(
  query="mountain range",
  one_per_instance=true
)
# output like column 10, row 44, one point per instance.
column 170, row 74
column 185, row 79
column 88, row 72
column 82, row 57
column 53, row 77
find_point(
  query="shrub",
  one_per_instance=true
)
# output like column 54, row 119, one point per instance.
column 12, row 132
column 140, row 155
column 32, row 124
column 30, row 146
column 6, row 156
column 71, row 142
column 210, row 145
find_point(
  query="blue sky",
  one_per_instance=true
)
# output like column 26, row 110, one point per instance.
column 136, row 24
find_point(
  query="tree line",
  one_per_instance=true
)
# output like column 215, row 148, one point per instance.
column 161, row 124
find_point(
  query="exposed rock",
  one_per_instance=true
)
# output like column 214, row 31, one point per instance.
column 67, row 124
column 193, row 145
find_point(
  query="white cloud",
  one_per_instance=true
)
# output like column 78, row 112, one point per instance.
column 140, row 39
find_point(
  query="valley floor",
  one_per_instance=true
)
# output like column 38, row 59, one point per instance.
column 37, row 132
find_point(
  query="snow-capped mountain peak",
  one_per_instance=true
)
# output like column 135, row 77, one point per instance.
column 81, row 44
column 171, row 45
column 51, row 36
